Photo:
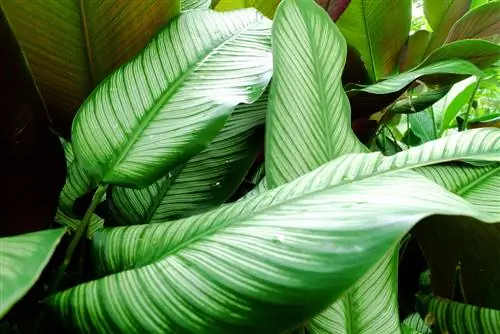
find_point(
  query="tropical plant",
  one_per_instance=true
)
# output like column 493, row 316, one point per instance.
column 176, row 109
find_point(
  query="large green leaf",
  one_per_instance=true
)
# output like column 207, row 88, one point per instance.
column 375, row 97
column 479, row 52
column 264, row 264
column 166, row 105
column 477, row 144
column 207, row 180
column 481, row 23
column 334, row 8
column 22, row 259
column 441, row 16
column 452, row 317
column 378, row 30
column 308, row 125
column 413, row 50
column 266, row 7
column 308, row 122
column 72, row 45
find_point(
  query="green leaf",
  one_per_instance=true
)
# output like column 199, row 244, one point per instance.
column 480, row 53
column 77, row 184
column 416, row 103
column 207, row 180
column 196, row 4
column 334, row 8
column 457, row 318
column 72, row 45
column 166, row 105
column 378, row 30
column 413, row 50
column 458, row 97
column 441, row 16
column 308, row 122
column 375, row 97
column 422, row 125
column 266, row 7
column 271, row 261
column 416, row 324
column 480, row 23
column 23, row 258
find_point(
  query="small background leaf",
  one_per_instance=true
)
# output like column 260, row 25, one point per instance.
column 413, row 50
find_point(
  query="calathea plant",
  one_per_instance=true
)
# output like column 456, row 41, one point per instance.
column 164, row 141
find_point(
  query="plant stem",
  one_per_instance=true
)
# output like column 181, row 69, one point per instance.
column 80, row 232
column 464, row 126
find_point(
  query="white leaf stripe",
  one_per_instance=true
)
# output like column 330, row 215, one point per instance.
column 195, row 4
column 307, row 105
column 369, row 306
column 166, row 104
column 478, row 185
column 207, row 180
column 311, row 248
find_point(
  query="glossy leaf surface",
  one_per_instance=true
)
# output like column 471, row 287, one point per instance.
column 207, row 180
column 72, row 45
column 22, row 259
column 378, row 30
column 165, row 106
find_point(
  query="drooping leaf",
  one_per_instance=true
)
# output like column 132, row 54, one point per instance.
column 308, row 122
column 197, row 4
column 22, row 259
column 72, row 45
column 207, row 180
column 413, row 50
column 266, row 7
column 287, row 254
column 481, row 23
column 375, row 97
column 334, row 8
column 458, row 318
column 33, row 169
column 479, row 144
column 378, row 30
column 165, row 106
column 416, row 103
column 441, row 16
column 458, row 97
column 480, row 53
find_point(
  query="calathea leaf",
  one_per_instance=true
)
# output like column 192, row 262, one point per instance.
column 448, row 316
column 197, row 4
column 171, row 100
column 72, row 45
column 23, row 258
column 480, row 23
column 415, row 325
column 205, row 181
column 375, row 97
column 413, row 50
column 266, row 7
column 308, row 122
column 265, row 264
column 416, row 103
column 378, row 30
column 77, row 184
column 480, row 144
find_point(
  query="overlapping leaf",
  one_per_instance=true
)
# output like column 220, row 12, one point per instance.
column 266, row 7
column 22, row 259
column 308, row 107
column 72, row 45
column 413, row 50
column 378, row 30
column 196, row 4
column 166, row 105
column 207, row 180
column 314, row 240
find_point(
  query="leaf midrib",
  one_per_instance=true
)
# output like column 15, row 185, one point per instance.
column 89, row 51
column 466, row 188
column 171, row 91
column 368, row 35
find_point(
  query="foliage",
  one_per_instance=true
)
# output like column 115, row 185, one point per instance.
column 356, row 125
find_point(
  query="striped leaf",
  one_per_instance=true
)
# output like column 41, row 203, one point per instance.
column 452, row 317
column 196, row 4
column 207, row 180
column 378, row 30
column 309, row 119
column 71, row 45
column 416, row 324
column 77, row 184
column 22, row 259
column 265, row 264
column 171, row 100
